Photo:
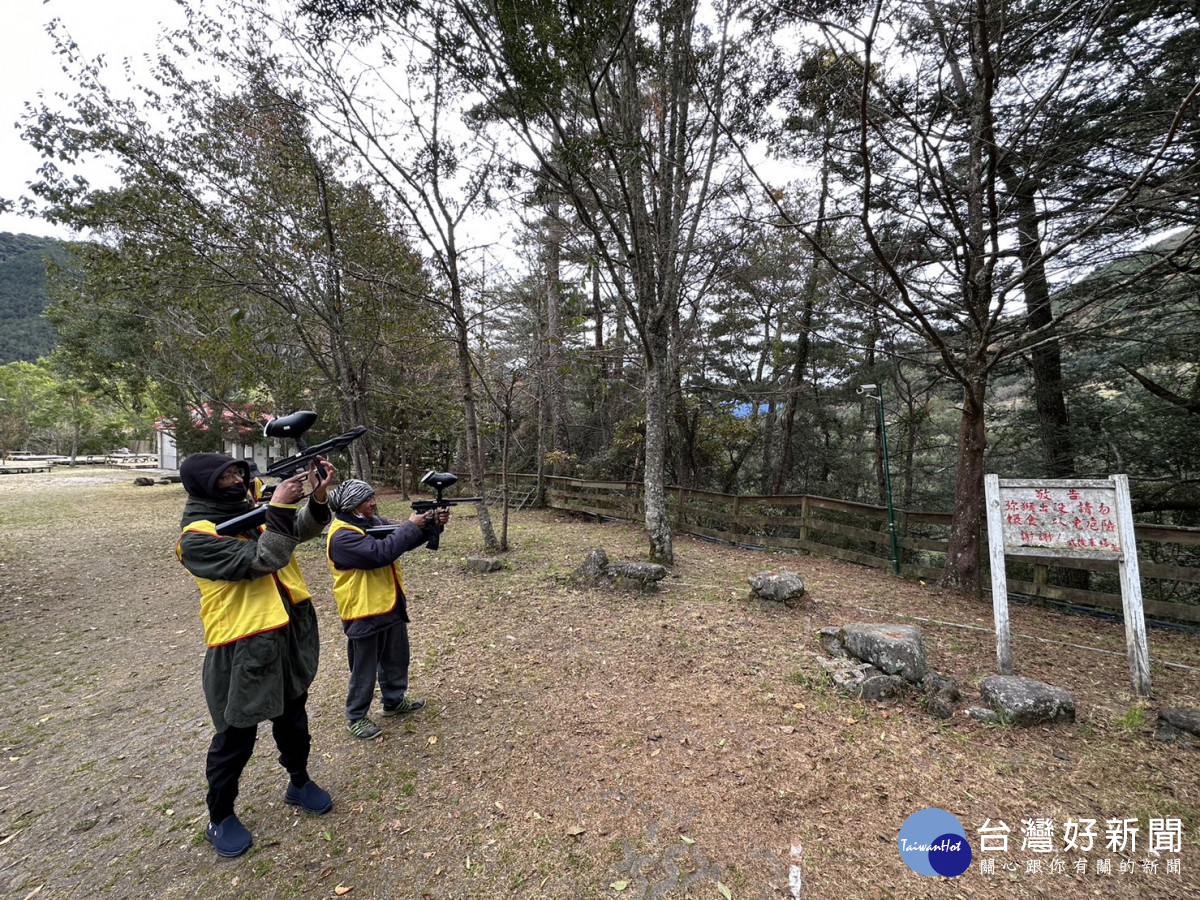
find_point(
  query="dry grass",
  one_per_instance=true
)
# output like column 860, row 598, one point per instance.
column 577, row 743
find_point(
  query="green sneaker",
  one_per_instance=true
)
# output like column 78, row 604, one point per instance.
column 405, row 706
column 364, row 728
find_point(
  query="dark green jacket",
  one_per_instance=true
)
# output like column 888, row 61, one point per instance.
column 248, row 680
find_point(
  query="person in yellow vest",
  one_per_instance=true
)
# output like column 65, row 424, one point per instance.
column 260, row 628
column 369, row 589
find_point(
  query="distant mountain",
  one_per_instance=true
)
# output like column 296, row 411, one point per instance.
column 24, row 335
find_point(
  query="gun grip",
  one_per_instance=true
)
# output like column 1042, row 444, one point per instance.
column 435, row 539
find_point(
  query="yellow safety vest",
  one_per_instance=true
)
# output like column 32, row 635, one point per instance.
column 363, row 592
column 231, row 610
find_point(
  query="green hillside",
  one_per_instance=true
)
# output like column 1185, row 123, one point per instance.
column 24, row 335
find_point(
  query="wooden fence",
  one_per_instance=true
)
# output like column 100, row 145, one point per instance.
column 1169, row 557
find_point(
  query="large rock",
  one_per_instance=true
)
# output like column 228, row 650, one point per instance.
column 941, row 695
column 639, row 575
column 862, row 680
column 784, row 586
column 830, row 638
column 1024, row 701
column 596, row 569
column 893, row 649
column 593, row 566
column 1178, row 726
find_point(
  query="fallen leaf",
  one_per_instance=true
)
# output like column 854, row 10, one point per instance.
column 342, row 890
column 788, row 729
column 686, row 839
column 725, row 892
column 432, row 739
column 576, row 831
column 619, row 885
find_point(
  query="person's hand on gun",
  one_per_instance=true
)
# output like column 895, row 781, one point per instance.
column 436, row 517
column 291, row 490
column 321, row 476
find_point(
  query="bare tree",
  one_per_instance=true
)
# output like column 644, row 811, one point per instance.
column 395, row 100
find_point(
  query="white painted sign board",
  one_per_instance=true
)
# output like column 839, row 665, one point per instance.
column 1081, row 519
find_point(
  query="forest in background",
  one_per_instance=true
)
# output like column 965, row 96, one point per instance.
column 24, row 334
column 988, row 211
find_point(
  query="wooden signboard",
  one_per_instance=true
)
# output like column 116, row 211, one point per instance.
column 1067, row 519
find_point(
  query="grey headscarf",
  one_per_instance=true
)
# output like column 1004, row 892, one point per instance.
column 350, row 495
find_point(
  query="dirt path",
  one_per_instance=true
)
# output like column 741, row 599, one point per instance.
column 577, row 743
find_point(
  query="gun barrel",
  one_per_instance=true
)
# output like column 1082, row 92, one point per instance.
column 290, row 465
column 381, row 531
column 245, row 522
column 427, row 505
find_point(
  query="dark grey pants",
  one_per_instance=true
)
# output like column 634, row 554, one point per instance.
column 382, row 656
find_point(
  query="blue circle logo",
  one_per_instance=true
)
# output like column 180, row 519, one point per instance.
column 933, row 842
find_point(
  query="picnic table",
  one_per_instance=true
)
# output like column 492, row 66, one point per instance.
column 132, row 460
column 17, row 465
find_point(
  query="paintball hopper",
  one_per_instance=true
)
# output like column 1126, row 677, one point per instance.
column 439, row 481
column 293, row 426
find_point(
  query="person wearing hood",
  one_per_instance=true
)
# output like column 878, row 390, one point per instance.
column 259, row 625
column 369, row 589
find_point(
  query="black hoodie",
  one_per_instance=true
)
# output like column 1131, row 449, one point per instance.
column 229, row 559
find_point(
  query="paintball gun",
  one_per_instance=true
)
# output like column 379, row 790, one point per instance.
column 439, row 481
column 293, row 426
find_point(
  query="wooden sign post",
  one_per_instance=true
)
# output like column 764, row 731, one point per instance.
column 1081, row 519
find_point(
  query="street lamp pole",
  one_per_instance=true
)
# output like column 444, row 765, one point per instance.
column 875, row 393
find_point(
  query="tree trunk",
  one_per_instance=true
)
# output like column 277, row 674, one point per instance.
column 1057, row 450
column 474, row 450
column 963, row 555
column 658, row 525
column 556, row 361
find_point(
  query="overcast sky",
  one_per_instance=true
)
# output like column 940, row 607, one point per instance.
column 117, row 28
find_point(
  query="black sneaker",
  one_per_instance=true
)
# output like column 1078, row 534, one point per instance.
column 406, row 705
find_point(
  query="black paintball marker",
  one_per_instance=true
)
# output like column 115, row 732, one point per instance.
column 293, row 426
column 439, row 481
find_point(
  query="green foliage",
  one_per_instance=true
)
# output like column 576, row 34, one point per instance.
column 24, row 335
column 242, row 268
column 46, row 412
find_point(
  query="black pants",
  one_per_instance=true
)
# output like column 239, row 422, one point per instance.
column 232, row 748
